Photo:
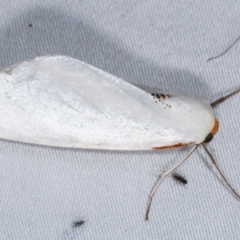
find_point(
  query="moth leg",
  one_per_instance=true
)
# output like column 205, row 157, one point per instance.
column 165, row 174
column 220, row 173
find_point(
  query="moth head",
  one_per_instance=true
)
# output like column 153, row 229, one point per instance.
column 209, row 137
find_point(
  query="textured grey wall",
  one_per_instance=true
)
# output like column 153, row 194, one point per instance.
column 163, row 44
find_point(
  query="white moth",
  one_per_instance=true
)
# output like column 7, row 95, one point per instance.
column 60, row 101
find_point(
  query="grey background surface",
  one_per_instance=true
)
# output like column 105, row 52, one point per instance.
column 162, row 44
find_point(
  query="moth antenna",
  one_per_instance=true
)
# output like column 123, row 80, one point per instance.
column 165, row 174
column 220, row 173
column 225, row 51
column 222, row 99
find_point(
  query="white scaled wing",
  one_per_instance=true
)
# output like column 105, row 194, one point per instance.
column 60, row 101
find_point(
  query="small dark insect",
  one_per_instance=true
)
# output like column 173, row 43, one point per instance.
column 29, row 25
column 78, row 223
column 179, row 178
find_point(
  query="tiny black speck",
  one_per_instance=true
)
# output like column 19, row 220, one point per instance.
column 78, row 223
column 29, row 25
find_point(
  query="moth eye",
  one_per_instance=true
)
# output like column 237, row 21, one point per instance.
column 208, row 138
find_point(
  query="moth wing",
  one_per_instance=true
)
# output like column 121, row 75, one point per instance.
column 60, row 101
